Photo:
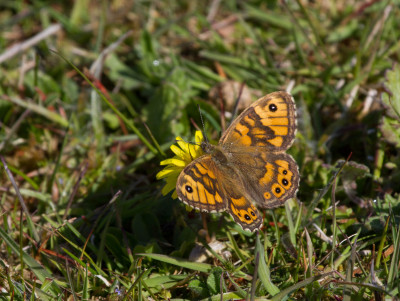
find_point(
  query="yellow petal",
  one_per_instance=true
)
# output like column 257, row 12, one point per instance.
column 173, row 161
column 166, row 161
column 167, row 172
column 198, row 137
column 179, row 152
column 183, row 144
column 195, row 151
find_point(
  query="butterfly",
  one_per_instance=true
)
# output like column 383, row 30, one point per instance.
column 249, row 165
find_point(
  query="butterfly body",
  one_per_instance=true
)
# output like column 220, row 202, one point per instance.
column 249, row 165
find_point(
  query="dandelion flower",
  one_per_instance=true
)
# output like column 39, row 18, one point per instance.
column 184, row 154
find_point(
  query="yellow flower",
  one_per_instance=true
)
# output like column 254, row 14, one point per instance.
column 184, row 155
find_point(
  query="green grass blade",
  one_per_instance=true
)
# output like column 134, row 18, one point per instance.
column 85, row 290
column 284, row 294
column 196, row 266
column 24, row 176
column 263, row 270
column 236, row 248
column 40, row 110
column 349, row 273
column 310, row 251
column 71, row 282
column 382, row 244
column 239, row 290
column 292, row 231
column 334, row 227
column 394, row 271
column 298, row 219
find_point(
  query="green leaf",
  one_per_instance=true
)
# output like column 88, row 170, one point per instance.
column 390, row 129
column 393, row 85
column 352, row 171
column 165, row 281
column 214, row 280
column 198, row 288
column 390, row 126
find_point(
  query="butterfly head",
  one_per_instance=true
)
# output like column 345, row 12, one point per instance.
column 207, row 147
column 215, row 151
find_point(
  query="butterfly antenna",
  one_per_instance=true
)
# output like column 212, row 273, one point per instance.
column 235, row 109
column 202, row 123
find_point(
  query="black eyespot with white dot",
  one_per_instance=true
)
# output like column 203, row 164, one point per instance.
column 285, row 172
column 285, row 182
column 189, row 188
column 252, row 213
column 277, row 190
column 247, row 217
column 272, row 107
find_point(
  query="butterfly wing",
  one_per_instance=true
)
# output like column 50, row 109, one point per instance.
column 256, row 142
column 270, row 178
column 211, row 187
column 241, row 208
column 198, row 186
column 270, row 123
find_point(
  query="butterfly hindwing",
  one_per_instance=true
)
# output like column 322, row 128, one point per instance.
column 270, row 178
column 241, row 208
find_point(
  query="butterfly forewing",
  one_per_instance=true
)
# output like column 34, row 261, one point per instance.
column 199, row 187
column 270, row 122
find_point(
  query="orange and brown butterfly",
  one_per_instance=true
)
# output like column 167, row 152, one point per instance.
column 248, row 167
